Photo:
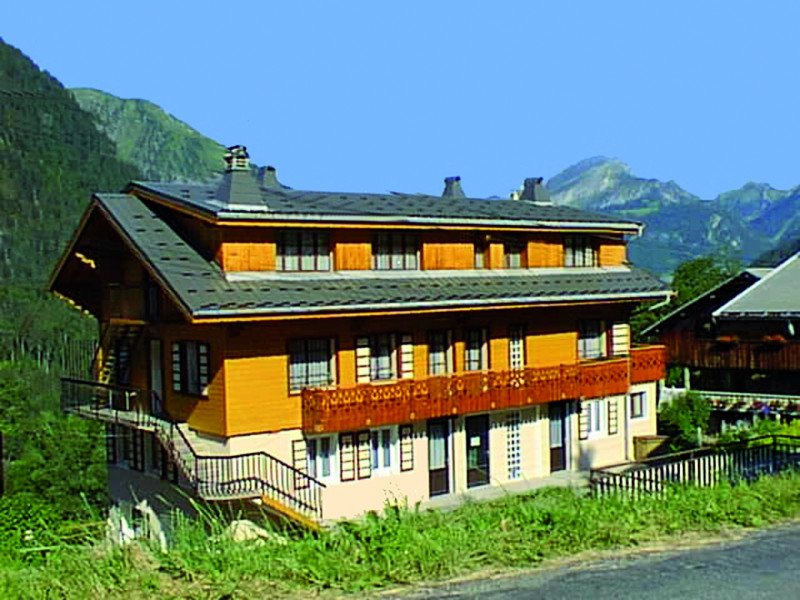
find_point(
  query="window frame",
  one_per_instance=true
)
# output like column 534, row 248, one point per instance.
column 580, row 251
column 476, row 351
column 383, row 450
column 377, row 371
column 312, row 251
column 592, row 340
column 307, row 382
column 191, row 367
column 516, row 334
column 632, row 404
column 395, row 251
column 514, row 255
column 446, row 351
column 597, row 414
column 316, row 459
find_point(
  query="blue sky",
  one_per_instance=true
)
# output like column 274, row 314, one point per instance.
column 376, row 96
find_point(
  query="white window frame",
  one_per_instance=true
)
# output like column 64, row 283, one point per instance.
column 395, row 252
column 597, row 414
column 580, row 251
column 191, row 367
column 513, row 255
column 301, row 374
column 383, row 450
column 516, row 347
column 643, row 399
column 383, row 366
column 321, row 466
column 303, row 250
column 514, row 445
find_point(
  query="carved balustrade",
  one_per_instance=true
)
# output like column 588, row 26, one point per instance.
column 375, row 404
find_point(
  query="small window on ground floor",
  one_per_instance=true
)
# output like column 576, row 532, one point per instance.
column 638, row 405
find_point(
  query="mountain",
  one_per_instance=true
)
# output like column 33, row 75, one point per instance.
column 52, row 157
column 739, row 224
column 161, row 146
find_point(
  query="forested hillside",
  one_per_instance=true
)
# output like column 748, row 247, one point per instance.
column 52, row 157
column 161, row 146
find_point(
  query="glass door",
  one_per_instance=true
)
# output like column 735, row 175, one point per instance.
column 477, row 429
column 558, row 436
column 438, row 456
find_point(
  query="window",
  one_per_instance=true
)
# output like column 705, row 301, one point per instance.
column 514, row 255
column 190, row 367
column 395, row 251
column 480, row 255
column 595, row 411
column 638, row 405
column 579, row 251
column 304, row 251
column 475, row 352
column 381, row 450
column 382, row 357
column 513, row 446
column 320, row 455
column 311, row 363
column 439, row 354
column 591, row 339
column 516, row 347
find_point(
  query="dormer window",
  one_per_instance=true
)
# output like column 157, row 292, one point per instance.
column 304, row 251
column 579, row 251
column 514, row 253
column 395, row 251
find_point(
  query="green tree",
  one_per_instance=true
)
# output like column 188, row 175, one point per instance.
column 696, row 276
column 682, row 417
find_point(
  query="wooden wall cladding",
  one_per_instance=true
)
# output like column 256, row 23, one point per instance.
column 248, row 249
column 352, row 250
column 612, row 253
column 546, row 250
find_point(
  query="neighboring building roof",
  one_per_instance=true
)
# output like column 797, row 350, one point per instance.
column 237, row 196
column 775, row 296
column 707, row 302
column 205, row 291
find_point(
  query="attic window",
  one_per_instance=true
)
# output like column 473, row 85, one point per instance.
column 579, row 251
column 304, row 251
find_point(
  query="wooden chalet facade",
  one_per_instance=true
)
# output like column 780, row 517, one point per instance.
column 325, row 353
column 739, row 343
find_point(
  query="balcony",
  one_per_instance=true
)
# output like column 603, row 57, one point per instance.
column 373, row 405
column 727, row 352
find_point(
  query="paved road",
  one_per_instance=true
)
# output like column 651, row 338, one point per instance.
column 761, row 565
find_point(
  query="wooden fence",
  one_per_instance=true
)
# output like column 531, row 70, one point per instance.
column 704, row 467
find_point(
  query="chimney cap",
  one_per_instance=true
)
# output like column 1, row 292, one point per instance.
column 237, row 158
column 452, row 188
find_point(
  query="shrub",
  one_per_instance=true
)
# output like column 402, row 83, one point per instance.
column 683, row 416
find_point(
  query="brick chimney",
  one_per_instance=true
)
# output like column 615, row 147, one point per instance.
column 452, row 188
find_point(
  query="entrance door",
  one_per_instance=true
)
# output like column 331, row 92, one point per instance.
column 477, row 429
column 438, row 456
column 156, row 377
column 558, row 435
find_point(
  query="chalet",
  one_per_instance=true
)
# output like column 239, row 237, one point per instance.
column 738, row 344
column 322, row 353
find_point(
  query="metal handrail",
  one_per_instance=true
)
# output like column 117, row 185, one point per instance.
column 254, row 474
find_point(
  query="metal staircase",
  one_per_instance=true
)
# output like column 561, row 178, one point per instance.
column 257, row 476
column 113, row 356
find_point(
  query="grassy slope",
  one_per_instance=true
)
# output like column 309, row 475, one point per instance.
column 402, row 547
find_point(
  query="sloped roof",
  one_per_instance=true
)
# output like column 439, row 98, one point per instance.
column 775, row 296
column 205, row 291
column 707, row 302
column 222, row 200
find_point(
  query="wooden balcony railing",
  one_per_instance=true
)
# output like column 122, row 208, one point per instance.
column 372, row 405
column 730, row 353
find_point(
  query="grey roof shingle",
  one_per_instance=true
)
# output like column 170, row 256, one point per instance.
column 777, row 295
column 222, row 200
column 205, row 291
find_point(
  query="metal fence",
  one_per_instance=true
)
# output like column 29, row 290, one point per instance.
column 704, row 467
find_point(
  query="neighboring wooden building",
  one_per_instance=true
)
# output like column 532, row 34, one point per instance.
column 328, row 352
column 739, row 343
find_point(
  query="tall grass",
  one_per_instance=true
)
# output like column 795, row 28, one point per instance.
column 400, row 546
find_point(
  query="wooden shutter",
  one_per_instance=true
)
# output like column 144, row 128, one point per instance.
column 332, row 379
column 203, row 353
column 406, row 435
column 484, row 350
column 406, row 356
column 364, row 454
column 300, row 462
column 620, row 339
column 583, row 421
column 613, row 416
column 362, row 360
column 449, row 352
column 347, row 456
column 176, row 367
